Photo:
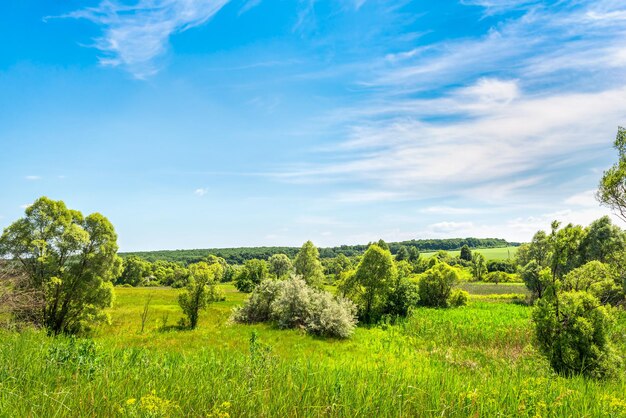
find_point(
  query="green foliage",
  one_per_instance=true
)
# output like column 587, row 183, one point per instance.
column 293, row 304
column 435, row 285
column 612, row 188
column 241, row 255
column 280, row 265
column 252, row 273
column 598, row 279
column 308, row 265
column 536, row 278
column 372, row 283
column 338, row 265
column 603, row 241
column 136, row 272
column 478, row 266
column 466, row 253
column 70, row 258
column 414, row 254
column 501, row 277
column 458, row 298
column 200, row 291
column 506, row 266
column 403, row 254
column 382, row 244
column 572, row 331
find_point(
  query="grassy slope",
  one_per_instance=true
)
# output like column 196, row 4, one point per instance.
column 503, row 253
column 476, row 360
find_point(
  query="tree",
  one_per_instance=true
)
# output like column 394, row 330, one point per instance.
column 565, row 248
column 435, row 287
column 535, row 278
column 280, row 265
column 135, row 271
column 200, row 290
column 70, row 258
column 308, row 265
column 414, row 254
column 598, row 279
column 253, row 272
column 539, row 248
column 371, row 284
column 572, row 331
column 339, row 264
column 402, row 254
column 612, row 189
column 466, row 253
column 602, row 241
column 382, row 244
column 479, row 267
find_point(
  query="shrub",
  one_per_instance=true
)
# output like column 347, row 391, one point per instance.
column 598, row 279
column 294, row 304
column 572, row 331
column 501, row 277
column 535, row 278
column 458, row 298
column 253, row 272
column 403, row 297
column 436, row 284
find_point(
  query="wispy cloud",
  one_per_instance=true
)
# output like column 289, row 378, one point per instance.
column 201, row 191
column 553, row 96
column 32, row 178
column 135, row 34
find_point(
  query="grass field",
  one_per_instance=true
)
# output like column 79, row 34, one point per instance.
column 503, row 253
column 471, row 361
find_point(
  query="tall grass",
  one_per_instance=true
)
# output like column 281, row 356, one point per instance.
column 472, row 361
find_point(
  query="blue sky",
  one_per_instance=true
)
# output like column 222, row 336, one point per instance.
column 214, row 123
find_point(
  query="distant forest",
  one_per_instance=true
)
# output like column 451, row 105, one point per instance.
column 240, row 255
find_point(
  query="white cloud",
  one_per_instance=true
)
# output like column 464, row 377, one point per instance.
column 25, row 206
column 33, row 177
column 201, row 191
column 585, row 199
column 447, row 210
column 450, row 227
column 136, row 33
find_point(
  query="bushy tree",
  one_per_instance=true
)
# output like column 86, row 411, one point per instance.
column 253, row 272
column 540, row 249
column 612, row 190
column 466, row 253
column 308, row 265
column 603, row 241
column 280, row 265
column 338, row 265
column 200, row 290
column 435, row 286
column 382, row 244
column 598, row 279
column 414, row 254
column 402, row 254
column 478, row 266
column 572, row 331
column 293, row 304
column 70, row 258
column 536, row 278
column 372, row 282
column 135, row 271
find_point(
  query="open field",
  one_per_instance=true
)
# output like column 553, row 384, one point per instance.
column 503, row 253
column 471, row 361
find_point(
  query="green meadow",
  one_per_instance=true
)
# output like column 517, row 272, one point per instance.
column 501, row 253
column 477, row 360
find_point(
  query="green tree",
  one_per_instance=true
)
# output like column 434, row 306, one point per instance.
column 340, row 264
column 309, row 266
column 70, row 258
column 280, row 265
column 565, row 245
column 402, row 254
column 539, row 249
column 372, row 283
column 466, row 253
column 598, row 279
column 200, row 290
column 612, row 189
column 135, row 271
column 535, row 278
column 435, row 286
column 253, row 272
column 603, row 241
column 572, row 331
column 478, row 266
column 414, row 254
column 382, row 244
